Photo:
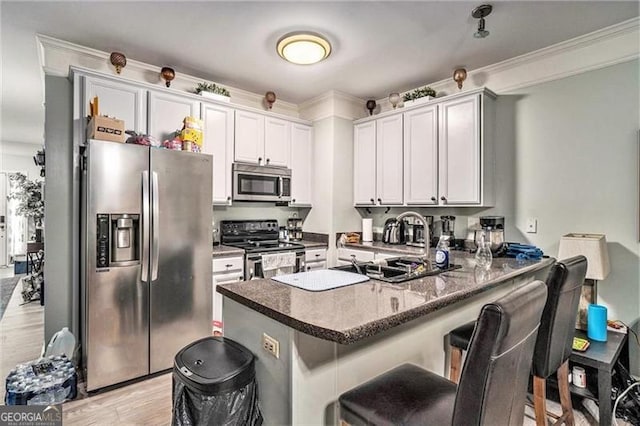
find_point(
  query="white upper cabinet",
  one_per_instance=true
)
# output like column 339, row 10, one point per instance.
column 437, row 154
column 460, row 160
column 364, row 163
column 122, row 101
column 301, row 169
column 218, row 142
column 167, row 113
column 249, row 146
column 389, row 159
column 421, row 156
column 277, row 142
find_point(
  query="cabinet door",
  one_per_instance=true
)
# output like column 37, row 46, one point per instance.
column 167, row 113
column 389, row 160
column 249, row 129
column 314, row 266
column 459, row 151
column 217, row 297
column 122, row 101
column 346, row 254
column 218, row 141
column 277, row 142
column 364, row 163
column 421, row 156
column 301, row 156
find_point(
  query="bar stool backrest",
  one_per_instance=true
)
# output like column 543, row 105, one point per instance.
column 493, row 384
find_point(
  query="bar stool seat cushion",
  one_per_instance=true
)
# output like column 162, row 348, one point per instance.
column 461, row 337
column 390, row 399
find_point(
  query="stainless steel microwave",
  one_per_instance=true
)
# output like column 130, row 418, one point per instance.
column 261, row 183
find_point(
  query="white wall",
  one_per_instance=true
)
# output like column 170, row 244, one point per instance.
column 568, row 156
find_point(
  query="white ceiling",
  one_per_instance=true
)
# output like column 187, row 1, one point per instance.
column 378, row 47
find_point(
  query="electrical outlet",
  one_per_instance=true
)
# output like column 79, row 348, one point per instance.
column 532, row 225
column 271, row 345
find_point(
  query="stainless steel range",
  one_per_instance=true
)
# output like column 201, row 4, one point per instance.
column 265, row 256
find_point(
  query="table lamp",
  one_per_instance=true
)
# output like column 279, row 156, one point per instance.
column 594, row 248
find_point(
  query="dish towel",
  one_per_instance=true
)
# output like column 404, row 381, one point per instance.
column 524, row 252
column 278, row 260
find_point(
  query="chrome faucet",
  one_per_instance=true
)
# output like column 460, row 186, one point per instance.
column 355, row 264
column 425, row 226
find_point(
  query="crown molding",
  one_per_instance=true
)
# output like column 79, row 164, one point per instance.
column 56, row 56
column 333, row 103
column 599, row 49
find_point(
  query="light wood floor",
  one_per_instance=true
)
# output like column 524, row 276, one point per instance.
column 143, row 403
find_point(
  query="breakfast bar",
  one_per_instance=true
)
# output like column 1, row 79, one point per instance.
column 321, row 344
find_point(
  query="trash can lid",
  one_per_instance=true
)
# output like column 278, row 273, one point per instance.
column 215, row 364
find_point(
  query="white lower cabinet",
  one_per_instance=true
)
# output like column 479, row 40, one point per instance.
column 315, row 259
column 346, row 255
column 225, row 270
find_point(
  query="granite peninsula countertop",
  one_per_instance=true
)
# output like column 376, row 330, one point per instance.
column 312, row 244
column 348, row 314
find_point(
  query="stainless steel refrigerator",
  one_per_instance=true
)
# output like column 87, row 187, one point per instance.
column 146, row 269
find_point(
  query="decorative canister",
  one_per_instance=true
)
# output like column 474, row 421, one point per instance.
column 579, row 377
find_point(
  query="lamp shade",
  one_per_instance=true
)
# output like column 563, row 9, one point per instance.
column 591, row 246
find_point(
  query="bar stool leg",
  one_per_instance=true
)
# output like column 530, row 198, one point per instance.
column 456, row 363
column 540, row 400
column 565, row 396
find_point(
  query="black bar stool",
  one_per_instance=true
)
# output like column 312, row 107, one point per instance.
column 493, row 386
column 555, row 338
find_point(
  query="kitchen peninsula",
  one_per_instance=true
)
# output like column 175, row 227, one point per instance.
column 331, row 341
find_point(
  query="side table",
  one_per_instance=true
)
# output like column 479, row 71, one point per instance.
column 601, row 356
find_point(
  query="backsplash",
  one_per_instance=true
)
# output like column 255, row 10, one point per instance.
column 461, row 224
column 254, row 210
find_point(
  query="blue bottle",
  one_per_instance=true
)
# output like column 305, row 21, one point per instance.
column 442, row 252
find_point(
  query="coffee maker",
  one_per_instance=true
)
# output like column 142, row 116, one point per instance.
column 493, row 229
column 415, row 231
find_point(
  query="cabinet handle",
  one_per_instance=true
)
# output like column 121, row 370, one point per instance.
column 353, row 256
column 317, row 254
column 380, row 200
column 239, row 278
column 268, row 160
column 228, row 265
column 373, row 201
column 259, row 160
column 294, row 200
column 443, row 198
column 308, row 268
column 434, row 199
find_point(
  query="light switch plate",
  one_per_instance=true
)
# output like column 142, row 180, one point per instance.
column 532, row 225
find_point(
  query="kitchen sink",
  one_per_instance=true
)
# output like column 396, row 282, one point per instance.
column 396, row 270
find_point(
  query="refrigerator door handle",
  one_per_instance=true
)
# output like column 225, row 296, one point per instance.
column 155, row 227
column 145, row 227
column 280, row 186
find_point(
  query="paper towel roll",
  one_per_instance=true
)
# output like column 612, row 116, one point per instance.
column 367, row 230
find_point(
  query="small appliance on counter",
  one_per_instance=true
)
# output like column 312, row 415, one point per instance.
column 394, row 231
column 294, row 228
column 415, row 231
column 493, row 229
column 448, row 226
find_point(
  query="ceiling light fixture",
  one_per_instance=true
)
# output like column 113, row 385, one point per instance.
column 479, row 13
column 303, row 48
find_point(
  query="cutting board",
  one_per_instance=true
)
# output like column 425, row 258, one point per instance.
column 321, row 279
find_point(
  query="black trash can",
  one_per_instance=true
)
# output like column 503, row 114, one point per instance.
column 214, row 383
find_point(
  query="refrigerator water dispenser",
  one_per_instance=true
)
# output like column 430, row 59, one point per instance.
column 124, row 238
column 117, row 240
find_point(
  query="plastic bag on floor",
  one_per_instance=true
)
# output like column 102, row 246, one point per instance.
column 628, row 408
column 237, row 407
